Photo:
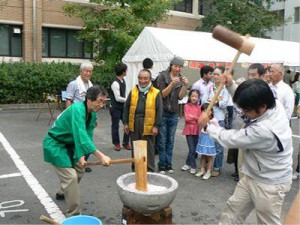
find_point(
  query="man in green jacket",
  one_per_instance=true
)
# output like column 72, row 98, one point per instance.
column 68, row 141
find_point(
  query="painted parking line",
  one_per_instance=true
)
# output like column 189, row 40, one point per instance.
column 50, row 206
column 296, row 136
column 10, row 175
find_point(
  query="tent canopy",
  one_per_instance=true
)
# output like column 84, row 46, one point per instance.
column 161, row 45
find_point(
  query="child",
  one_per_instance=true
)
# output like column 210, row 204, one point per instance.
column 192, row 112
column 206, row 147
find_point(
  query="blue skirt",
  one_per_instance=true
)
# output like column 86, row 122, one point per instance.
column 206, row 146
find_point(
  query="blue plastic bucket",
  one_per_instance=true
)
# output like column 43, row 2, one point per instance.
column 82, row 220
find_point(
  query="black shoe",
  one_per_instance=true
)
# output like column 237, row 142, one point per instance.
column 235, row 174
column 60, row 196
column 236, row 179
column 88, row 169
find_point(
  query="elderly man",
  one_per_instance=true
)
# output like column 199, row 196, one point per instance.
column 282, row 91
column 173, row 88
column 77, row 89
column 68, row 141
column 142, row 114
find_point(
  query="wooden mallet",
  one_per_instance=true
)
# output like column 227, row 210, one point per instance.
column 243, row 45
column 48, row 220
column 140, row 161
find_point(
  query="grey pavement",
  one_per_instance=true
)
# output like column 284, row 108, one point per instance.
column 197, row 201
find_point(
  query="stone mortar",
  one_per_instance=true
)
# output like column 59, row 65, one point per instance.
column 147, row 202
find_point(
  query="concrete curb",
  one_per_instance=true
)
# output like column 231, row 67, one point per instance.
column 26, row 106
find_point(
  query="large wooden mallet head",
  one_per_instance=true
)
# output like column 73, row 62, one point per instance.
column 233, row 39
column 243, row 45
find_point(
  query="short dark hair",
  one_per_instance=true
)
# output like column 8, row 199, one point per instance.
column 253, row 94
column 191, row 92
column 94, row 91
column 120, row 68
column 260, row 68
column 205, row 70
column 147, row 63
column 222, row 68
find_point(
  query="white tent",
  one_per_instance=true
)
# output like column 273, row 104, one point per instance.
column 161, row 45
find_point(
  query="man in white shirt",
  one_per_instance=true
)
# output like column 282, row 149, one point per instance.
column 204, row 85
column 282, row 91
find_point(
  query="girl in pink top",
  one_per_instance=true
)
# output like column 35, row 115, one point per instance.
column 192, row 112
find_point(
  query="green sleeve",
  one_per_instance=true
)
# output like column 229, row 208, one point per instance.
column 82, row 135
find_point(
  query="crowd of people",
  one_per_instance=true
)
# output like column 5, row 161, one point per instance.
column 249, row 117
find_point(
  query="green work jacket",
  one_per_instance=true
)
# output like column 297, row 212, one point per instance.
column 70, row 137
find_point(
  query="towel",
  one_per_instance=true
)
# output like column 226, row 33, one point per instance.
column 81, row 85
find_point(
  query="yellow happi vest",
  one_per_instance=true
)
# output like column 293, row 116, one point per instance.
column 150, row 111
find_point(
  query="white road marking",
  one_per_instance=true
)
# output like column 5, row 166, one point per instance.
column 10, row 175
column 50, row 206
column 297, row 136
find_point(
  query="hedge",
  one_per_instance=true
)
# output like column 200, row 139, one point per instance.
column 26, row 82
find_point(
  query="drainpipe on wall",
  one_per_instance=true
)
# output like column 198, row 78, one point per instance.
column 34, row 31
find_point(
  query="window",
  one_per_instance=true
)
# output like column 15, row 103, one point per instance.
column 204, row 8
column 11, row 40
column 297, row 15
column 184, row 6
column 61, row 43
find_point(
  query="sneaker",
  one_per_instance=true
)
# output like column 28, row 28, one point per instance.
column 295, row 176
column 170, row 170
column 200, row 173
column 60, row 196
column 127, row 146
column 162, row 172
column 117, row 147
column 215, row 173
column 185, row 168
column 192, row 171
column 88, row 169
column 206, row 176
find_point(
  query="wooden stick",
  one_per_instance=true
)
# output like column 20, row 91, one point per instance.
column 140, row 155
column 48, row 220
column 115, row 161
column 212, row 102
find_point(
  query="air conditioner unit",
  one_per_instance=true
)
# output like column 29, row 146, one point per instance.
column 17, row 30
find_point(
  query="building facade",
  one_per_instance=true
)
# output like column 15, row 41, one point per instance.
column 39, row 31
column 290, row 10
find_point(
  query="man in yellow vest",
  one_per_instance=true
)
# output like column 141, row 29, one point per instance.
column 142, row 115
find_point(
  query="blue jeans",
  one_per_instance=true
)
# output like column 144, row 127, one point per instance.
column 192, row 141
column 166, row 140
column 218, row 163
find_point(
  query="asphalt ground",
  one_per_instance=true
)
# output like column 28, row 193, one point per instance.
column 28, row 184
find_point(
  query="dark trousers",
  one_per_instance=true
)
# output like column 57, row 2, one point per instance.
column 138, row 135
column 117, row 116
column 192, row 141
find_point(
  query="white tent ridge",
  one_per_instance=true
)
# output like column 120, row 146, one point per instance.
column 161, row 45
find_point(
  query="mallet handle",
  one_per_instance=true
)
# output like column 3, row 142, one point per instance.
column 114, row 161
column 48, row 220
column 212, row 102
